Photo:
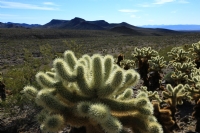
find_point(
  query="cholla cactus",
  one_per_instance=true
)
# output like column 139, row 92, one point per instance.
column 152, row 95
column 143, row 55
column 195, row 50
column 174, row 97
column 182, row 71
column 145, row 52
column 120, row 58
column 193, row 91
column 157, row 63
column 127, row 64
column 185, row 67
column 164, row 117
column 178, row 54
column 92, row 92
column 179, row 77
column 193, row 86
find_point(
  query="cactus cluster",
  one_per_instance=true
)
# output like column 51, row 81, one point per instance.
column 178, row 54
column 150, row 66
column 145, row 52
column 181, row 64
column 195, row 50
column 142, row 56
column 193, row 93
column 151, row 95
column 174, row 96
column 93, row 92
column 157, row 63
column 127, row 64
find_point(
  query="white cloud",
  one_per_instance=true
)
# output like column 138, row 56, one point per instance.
column 133, row 16
column 163, row 1
column 18, row 5
column 128, row 10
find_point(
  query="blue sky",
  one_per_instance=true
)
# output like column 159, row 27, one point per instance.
column 135, row 12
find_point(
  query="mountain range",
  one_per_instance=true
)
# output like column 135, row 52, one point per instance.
column 180, row 27
column 125, row 28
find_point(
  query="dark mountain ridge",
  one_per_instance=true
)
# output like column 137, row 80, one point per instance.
column 188, row 27
column 81, row 24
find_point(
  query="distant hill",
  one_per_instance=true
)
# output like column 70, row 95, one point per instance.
column 124, row 28
column 81, row 24
column 55, row 23
column 18, row 25
column 175, row 27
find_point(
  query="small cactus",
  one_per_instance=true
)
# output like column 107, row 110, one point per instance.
column 174, row 96
column 142, row 56
column 178, row 54
column 164, row 117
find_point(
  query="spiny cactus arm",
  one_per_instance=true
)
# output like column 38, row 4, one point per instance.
column 51, row 74
column 179, row 76
column 178, row 54
column 97, row 72
column 141, row 124
column 193, row 93
column 127, row 63
column 148, row 52
column 63, row 70
column 83, row 82
column 141, row 104
column 101, row 114
column 137, row 53
column 30, row 91
column 126, row 105
column 70, row 59
column 113, row 83
column 151, row 95
column 47, row 100
column 163, row 116
column 127, row 94
column 184, row 67
column 195, row 49
column 53, row 123
column 131, row 78
column 108, row 61
column 44, row 80
column 175, row 94
column 70, row 93
column 156, row 63
column 70, row 118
